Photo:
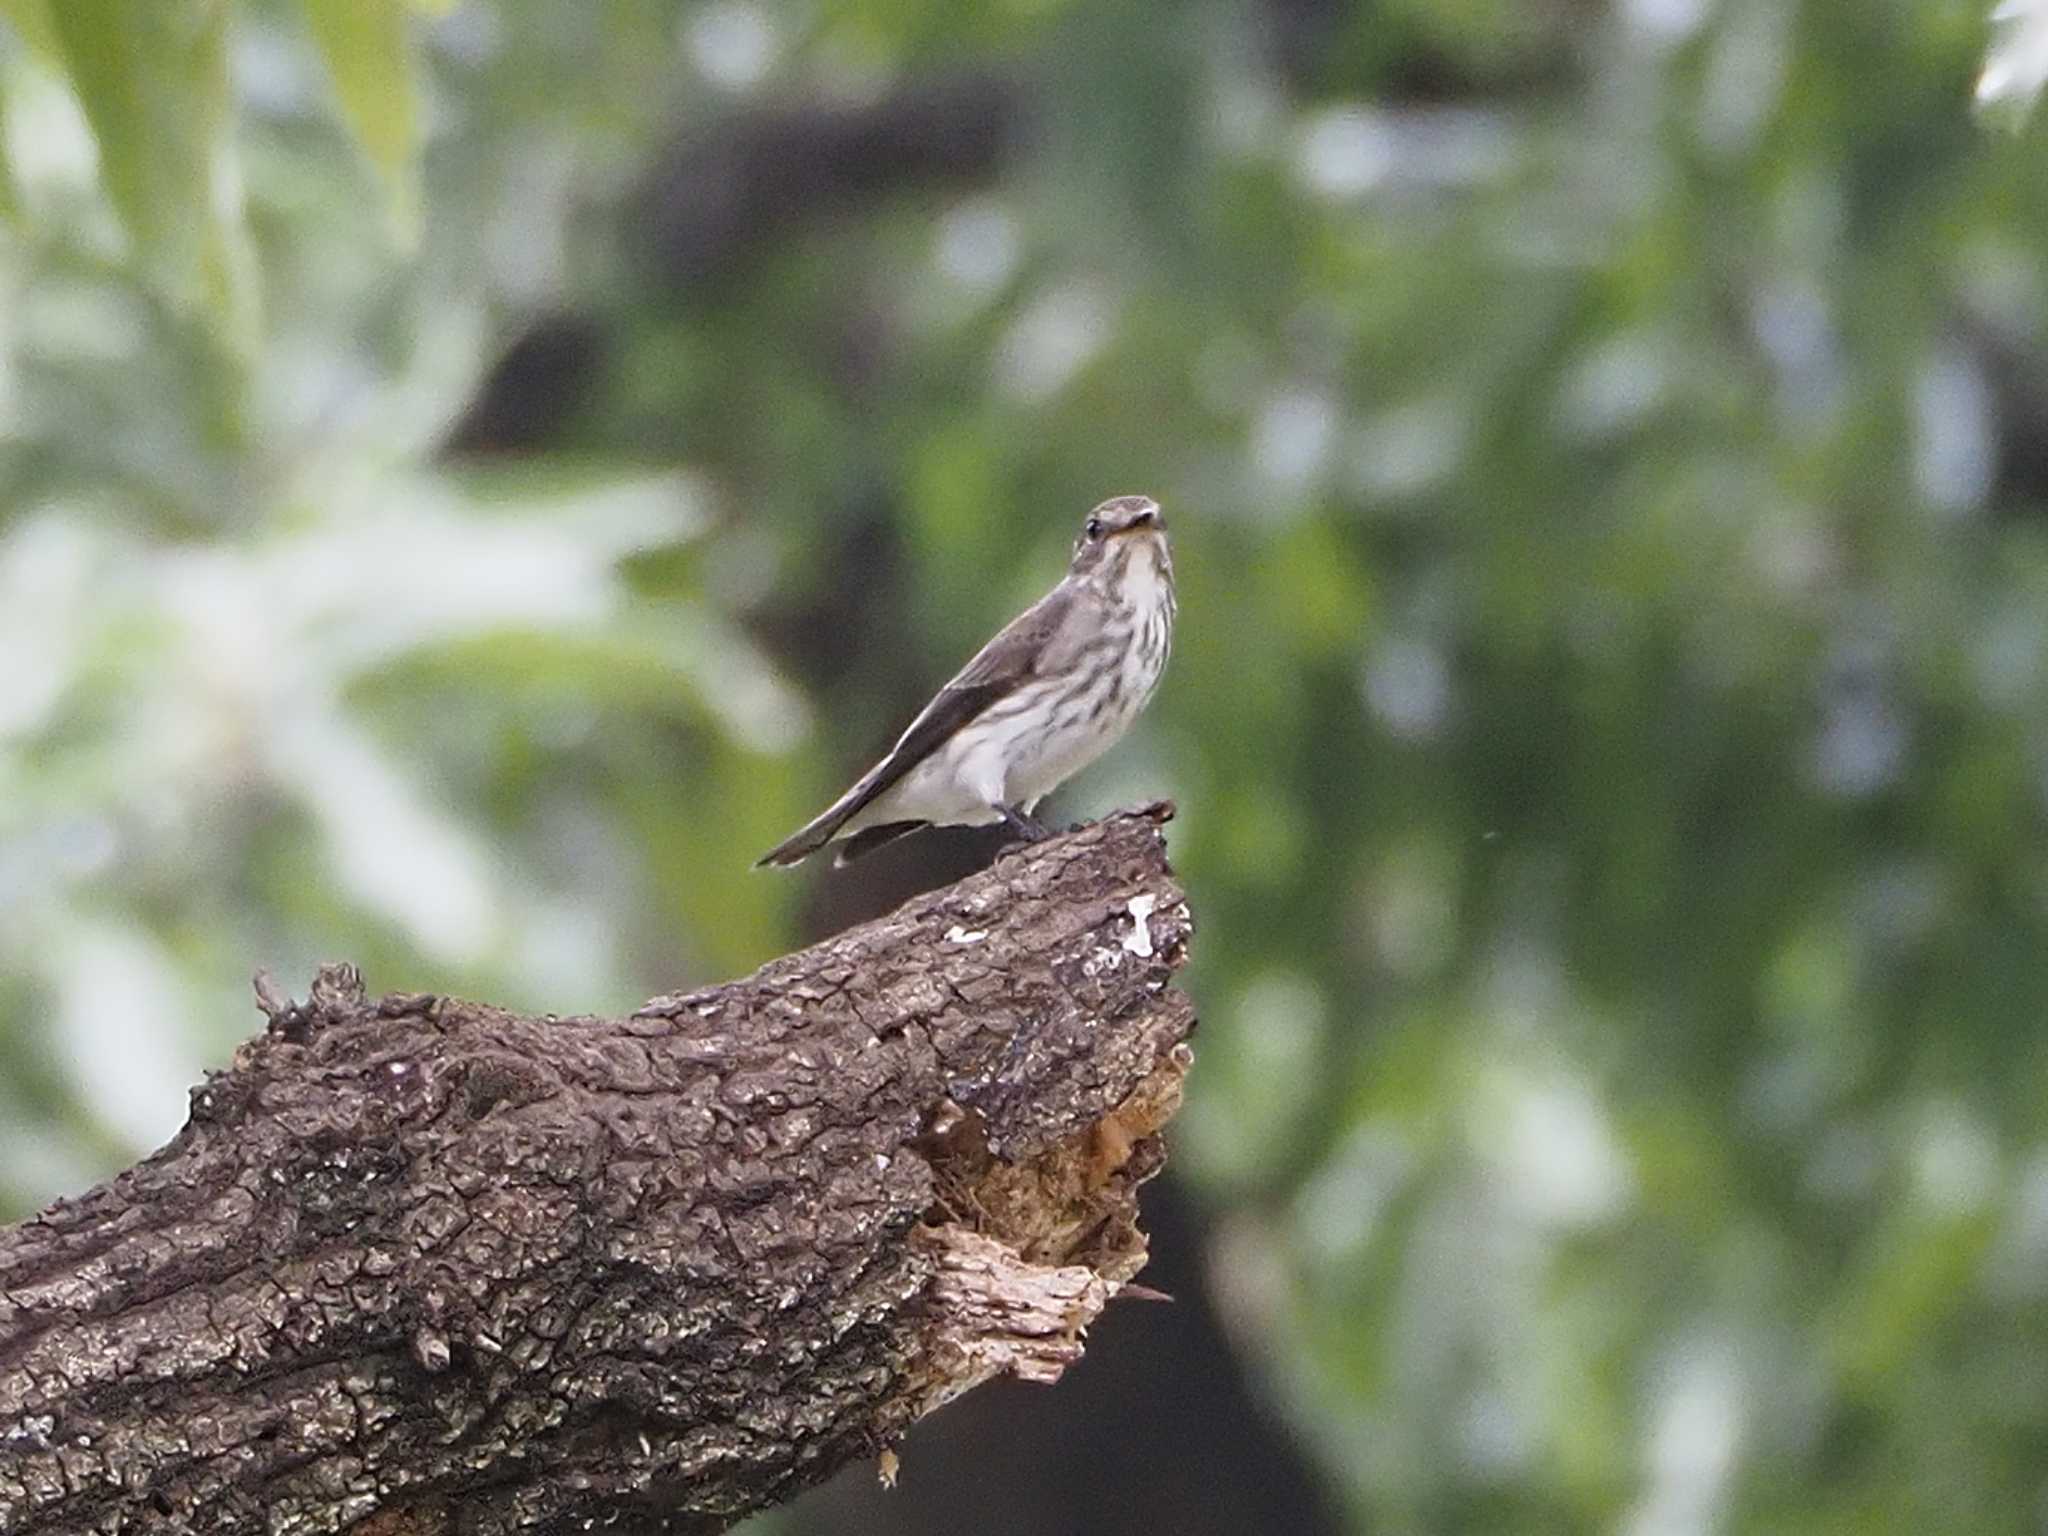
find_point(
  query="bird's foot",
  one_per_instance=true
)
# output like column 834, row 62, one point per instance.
column 1027, row 829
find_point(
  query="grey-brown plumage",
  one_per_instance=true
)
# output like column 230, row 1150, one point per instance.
column 1043, row 699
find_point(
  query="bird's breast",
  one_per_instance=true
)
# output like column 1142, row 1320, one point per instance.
column 1145, row 604
column 1077, row 713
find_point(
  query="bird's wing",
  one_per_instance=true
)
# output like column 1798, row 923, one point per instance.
column 997, row 668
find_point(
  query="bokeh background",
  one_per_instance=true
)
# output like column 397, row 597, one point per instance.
column 474, row 475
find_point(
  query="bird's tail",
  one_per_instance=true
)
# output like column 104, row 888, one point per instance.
column 868, row 839
column 833, row 820
column 828, row 824
column 808, row 839
column 802, row 843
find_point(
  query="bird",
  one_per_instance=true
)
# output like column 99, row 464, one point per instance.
column 1053, row 691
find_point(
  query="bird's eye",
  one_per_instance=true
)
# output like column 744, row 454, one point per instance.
column 1094, row 528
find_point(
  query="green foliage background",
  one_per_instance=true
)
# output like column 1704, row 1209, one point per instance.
column 1610, row 712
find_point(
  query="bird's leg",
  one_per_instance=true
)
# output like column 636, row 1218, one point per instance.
column 1027, row 828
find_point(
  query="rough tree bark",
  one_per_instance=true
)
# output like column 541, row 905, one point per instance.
column 419, row 1266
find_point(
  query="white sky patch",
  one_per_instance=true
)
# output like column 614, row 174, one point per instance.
column 1747, row 63
column 1280, row 1020
column 1792, row 324
column 1407, row 684
column 1614, row 385
column 122, row 1028
column 733, row 44
column 1055, row 337
column 273, row 71
column 1345, row 152
column 1861, row 745
column 79, row 320
column 566, row 946
column 2017, row 1267
column 1340, row 1206
column 978, row 246
column 38, row 1160
column 46, row 563
column 1665, row 23
column 235, row 656
column 763, row 713
column 526, row 241
column 1495, row 1437
column 1552, row 1153
column 442, row 571
column 1348, row 153
column 47, row 140
column 2007, row 657
column 389, row 848
column 1292, row 438
column 1409, row 450
column 1954, row 444
column 2016, row 64
column 1246, row 113
column 1955, row 1159
column 1695, row 1435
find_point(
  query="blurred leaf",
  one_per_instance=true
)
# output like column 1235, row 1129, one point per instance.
column 152, row 76
column 2015, row 63
column 31, row 18
column 369, row 57
column 1917, row 1279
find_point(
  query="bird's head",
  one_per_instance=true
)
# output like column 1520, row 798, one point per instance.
column 1122, row 530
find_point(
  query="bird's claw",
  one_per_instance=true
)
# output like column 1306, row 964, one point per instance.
column 1028, row 829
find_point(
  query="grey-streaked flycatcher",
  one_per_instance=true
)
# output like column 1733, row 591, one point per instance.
column 1036, row 705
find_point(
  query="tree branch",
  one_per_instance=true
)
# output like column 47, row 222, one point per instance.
column 418, row 1266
